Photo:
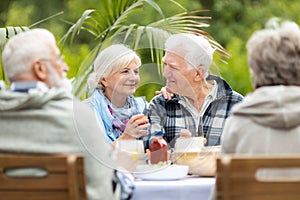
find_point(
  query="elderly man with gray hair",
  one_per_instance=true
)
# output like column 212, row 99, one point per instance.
column 38, row 113
column 201, row 101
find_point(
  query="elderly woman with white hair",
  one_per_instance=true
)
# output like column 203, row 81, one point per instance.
column 113, row 83
column 201, row 101
column 267, row 121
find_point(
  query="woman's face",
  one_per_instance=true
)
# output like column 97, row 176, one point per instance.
column 123, row 82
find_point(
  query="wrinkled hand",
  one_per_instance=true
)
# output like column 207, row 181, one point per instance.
column 184, row 133
column 136, row 127
column 165, row 92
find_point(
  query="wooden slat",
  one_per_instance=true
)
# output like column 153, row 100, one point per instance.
column 53, row 162
column 65, row 179
column 72, row 178
column 34, row 195
column 236, row 178
column 262, row 197
column 55, row 181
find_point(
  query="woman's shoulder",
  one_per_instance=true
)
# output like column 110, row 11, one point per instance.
column 141, row 99
column 96, row 98
column 140, row 102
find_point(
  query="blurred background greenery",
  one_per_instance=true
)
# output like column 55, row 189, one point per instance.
column 231, row 24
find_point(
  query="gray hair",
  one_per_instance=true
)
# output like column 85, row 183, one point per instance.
column 24, row 48
column 196, row 50
column 108, row 61
column 274, row 55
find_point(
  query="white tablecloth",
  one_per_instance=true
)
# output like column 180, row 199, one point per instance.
column 190, row 188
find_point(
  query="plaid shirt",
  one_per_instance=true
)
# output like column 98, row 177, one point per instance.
column 170, row 116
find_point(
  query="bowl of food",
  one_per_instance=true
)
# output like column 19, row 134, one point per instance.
column 202, row 163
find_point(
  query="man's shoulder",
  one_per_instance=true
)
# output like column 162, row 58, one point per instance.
column 158, row 99
column 236, row 96
column 224, row 89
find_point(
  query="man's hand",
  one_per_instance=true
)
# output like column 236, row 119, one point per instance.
column 165, row 92
column 184, row 133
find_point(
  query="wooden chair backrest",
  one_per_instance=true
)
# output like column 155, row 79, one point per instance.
column 64, row 178
column 238, row 178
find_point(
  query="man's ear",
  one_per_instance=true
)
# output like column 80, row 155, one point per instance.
column 40, row 70
column 199, row 73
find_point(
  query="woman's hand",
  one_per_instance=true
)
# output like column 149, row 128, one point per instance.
column 136, row 127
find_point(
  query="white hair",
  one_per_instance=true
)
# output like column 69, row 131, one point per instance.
column 196, row 50
column 56, row 81
column 108, row 61
column 24, row 48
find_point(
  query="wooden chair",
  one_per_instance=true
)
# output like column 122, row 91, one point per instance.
column 62, row 177
column 239, row 177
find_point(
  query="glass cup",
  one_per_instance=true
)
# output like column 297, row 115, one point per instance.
column 133, row 147
column 190, row 144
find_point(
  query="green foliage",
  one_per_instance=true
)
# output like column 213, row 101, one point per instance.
column 236, row 20
column 236, row 70
column 232, row 23
column 74, row 57
column 16, row 14
column 109, row 24
column 5, row 34
column 239, row 18
column 148, row 90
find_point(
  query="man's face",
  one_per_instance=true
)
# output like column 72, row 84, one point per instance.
column 58, row 71
column 177, row 74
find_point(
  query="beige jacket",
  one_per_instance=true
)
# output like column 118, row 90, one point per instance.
column 265, row 122
column 55, row 122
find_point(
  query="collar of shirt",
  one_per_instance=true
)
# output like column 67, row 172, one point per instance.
column 208, row 99
column 28, row 86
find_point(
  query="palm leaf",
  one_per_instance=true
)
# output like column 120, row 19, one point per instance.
column 3, row 37
column 188, row 22
column 5, row 34
column 9, row 32
column 156, row 7
column 108, row 26
column 75, row 29
column 79, row 89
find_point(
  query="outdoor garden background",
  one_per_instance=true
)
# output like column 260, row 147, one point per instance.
column 83, row 27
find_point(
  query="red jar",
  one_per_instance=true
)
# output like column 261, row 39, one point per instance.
column 158, row 150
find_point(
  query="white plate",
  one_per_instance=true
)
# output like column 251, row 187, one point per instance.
column 157, row 172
